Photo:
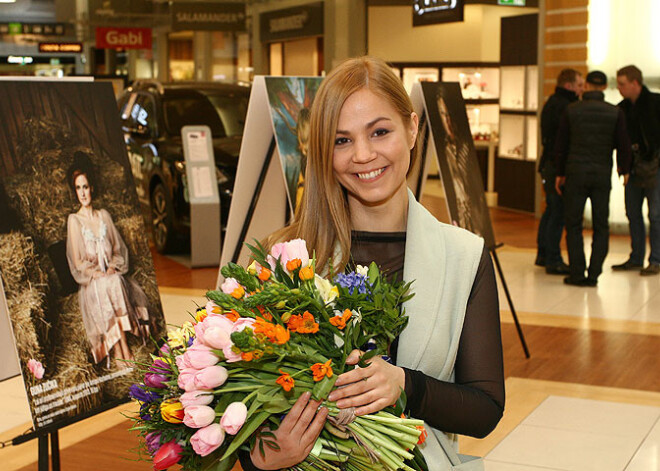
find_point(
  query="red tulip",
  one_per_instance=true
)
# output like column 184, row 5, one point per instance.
column 167, row 455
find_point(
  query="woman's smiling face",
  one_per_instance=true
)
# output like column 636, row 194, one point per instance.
column 83, row 190
column 372, row 149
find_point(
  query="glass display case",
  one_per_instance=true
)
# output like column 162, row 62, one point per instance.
column 419, row 74
column 518, row 106
column 477, row 83
column 532, row 137
column 484, row 121
column 512, row 136
column 531, row 88
column 512, row 93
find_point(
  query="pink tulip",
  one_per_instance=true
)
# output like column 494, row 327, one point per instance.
column 210, row 378
column 216, row 337
column 209, row 307
column 206, row 440
column 182, row 362
column 197, row 397
column 229, row 286
column 186, row 380
column 217, row 321
column 36, row 368
column 200, row 356
column 286, row 251
column 234, row 417
column 242, row 323
column 198, row 416
column 167, row 455
column 230, row 355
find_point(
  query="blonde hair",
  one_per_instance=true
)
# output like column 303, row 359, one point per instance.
column 323, row 219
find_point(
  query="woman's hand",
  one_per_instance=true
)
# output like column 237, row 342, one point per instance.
column 295, row 436
column 97, row 274
column 368, row 389
column 110, row 271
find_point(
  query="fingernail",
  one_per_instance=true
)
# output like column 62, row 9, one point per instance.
column 331, row 397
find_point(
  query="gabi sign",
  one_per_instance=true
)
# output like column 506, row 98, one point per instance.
column 297, row 22
column 206, row 16
column 123, row 38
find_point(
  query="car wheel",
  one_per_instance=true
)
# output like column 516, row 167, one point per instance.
column 161, row 220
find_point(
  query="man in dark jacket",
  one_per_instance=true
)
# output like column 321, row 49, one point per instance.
column 588, row 133
column 642, row 110
column 551, row 227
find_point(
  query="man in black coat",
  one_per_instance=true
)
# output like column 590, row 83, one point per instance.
column 588, row 133
column 551, row 227
column 642, row 110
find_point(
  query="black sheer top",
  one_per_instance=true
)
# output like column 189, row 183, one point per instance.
column 474, row 403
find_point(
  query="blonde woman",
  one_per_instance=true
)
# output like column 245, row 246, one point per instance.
column 358, row 209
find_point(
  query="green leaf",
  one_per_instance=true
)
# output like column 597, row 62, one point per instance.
column 323, row 388
column 373, row 273
column 244, row 433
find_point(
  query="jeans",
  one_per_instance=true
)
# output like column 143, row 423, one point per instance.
column 579, row 187
column 634, row 198
column 551, row 226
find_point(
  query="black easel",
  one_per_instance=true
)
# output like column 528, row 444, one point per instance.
column 255, row 199
column 54, row 451
column 424, row 126
column 521, row 336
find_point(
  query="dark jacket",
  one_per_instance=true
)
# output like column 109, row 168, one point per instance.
column 643, row 121
column 589, row 131
column 550, row 117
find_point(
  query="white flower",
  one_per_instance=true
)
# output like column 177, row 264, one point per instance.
column 360, row 270
column 327, row 290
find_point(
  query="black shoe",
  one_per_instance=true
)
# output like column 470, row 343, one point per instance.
column 540, row 261
column 560, row 269
column 588, row 282
column 627, row 266
column 652, row 269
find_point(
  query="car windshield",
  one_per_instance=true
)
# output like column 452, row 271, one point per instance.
column 223, row 112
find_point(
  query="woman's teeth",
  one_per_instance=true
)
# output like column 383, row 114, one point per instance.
column 374, row 174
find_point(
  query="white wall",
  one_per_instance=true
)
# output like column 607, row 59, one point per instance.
column 476, row 39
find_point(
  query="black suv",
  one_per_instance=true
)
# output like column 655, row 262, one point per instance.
column 152, row 115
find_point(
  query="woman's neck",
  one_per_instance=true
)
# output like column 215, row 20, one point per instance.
column 390, row 216
column 86, row 211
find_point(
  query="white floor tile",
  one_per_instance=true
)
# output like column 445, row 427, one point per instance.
column 564, row 449
column 497, row 466
column 647, row 457
column 599, row 417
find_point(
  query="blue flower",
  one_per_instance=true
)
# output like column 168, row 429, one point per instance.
column 137, row 392
column 352, row 281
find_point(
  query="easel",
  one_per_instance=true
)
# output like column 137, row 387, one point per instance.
column 425, row 130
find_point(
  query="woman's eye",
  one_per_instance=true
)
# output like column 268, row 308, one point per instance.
column 381, row 132
column 340, row 140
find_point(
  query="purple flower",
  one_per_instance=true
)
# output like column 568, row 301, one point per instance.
column 352, row 281
column 161, row 367
column 137, row 392
column 154, row 380
column 153, row 442
column 165, row 350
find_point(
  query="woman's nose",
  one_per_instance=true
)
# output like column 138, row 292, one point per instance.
column 363, row 151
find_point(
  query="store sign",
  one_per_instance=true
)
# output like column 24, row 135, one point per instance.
column 429, row 12
column 515, row 3
column 206, row 16
column 43, row 29
column 297, row 22
column 60, row 47
column 123, row 38
column 20, row 60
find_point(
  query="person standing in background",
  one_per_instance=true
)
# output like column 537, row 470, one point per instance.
column 551, row 227
column 588, row 132
column 642, row 111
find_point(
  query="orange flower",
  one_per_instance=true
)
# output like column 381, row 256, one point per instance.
column 264, row 327
column 265, row 314
column 340, row 321
column 238, row 292
column 201, row 314
column 321, row 370
column 293, row 264
column 308, row 324
column 306, row 273
column 424, row 434
column 264, row 274
column 281, row 335
column 294, row 322
column 247, row 356
column 286, row 381
column 232, row 315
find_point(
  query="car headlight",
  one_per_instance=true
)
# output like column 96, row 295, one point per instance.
column 220, row 175
column 180, row 165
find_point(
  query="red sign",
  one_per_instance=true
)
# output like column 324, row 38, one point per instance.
column 123, row 38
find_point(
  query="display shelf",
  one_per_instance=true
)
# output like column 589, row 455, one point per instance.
column 531, row 123
column 484, row 120
column 512, row 88
column 531, row 88
column 512, row 136
column 477, row 83
column 410, row 75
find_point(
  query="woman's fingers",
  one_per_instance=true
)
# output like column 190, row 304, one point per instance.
column 354, row 357
column 314, row 429
column 292, row 417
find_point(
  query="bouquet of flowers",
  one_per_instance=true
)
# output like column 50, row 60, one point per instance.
column 273, row 332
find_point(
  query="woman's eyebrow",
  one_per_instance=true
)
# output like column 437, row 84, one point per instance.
column 367, row 126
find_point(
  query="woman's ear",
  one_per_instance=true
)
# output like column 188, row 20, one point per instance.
column 414, row 125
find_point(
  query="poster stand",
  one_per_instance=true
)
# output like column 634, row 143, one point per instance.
column 421, row 105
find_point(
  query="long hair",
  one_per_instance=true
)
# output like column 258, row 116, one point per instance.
column 323, row 219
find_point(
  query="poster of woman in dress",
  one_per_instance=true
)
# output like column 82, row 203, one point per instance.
column 76, row 266
column 290, row 99
column 457, row 159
